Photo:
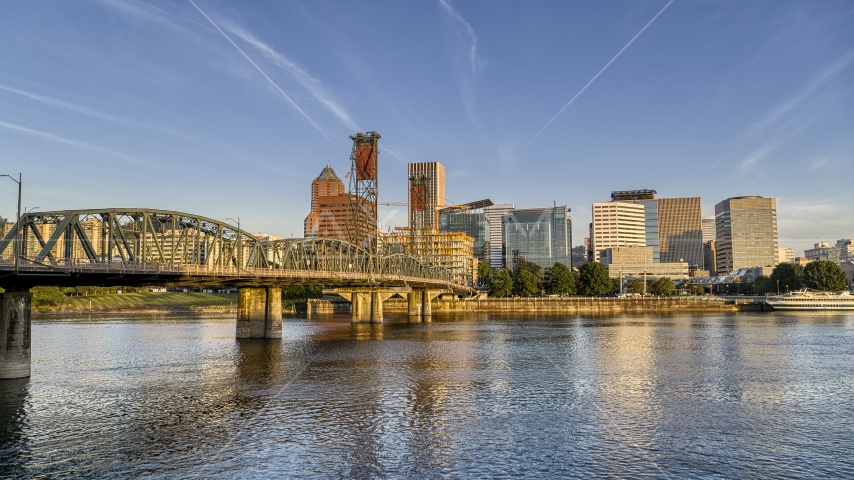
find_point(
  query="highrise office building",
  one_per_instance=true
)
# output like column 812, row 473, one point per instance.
column 331, row 213
column 746, row 231
column 672, row 225
column 471, row 220
column 327, row 184
column 538, row 235
column 708, row 222
column 645, row 197
column 493, row 214
column 680, row 236
column 617, row 224
column 432, row 176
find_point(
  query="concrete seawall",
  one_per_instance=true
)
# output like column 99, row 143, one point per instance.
column 553, row 305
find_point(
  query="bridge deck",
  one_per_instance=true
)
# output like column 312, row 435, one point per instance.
column 79, row 272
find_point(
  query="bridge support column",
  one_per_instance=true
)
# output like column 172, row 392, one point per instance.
column 376, row 307
column 426, row 306
column 273, row 320
column 360, row 307
column 259, row 312
column 413, row 300
column 15, row 334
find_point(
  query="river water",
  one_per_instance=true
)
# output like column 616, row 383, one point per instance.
column 748, row 395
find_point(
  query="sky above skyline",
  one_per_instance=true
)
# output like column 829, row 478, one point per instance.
column 228, row 109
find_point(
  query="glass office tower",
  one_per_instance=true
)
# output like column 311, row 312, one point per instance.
column 471, row 220
column 539, row 235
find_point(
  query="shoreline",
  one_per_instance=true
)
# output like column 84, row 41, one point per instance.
column 563, row 305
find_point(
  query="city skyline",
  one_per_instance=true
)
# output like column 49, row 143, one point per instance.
column 116, row 103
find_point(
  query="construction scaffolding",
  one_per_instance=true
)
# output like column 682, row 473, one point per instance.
column 453, row 251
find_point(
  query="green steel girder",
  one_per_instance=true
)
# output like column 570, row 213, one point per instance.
column 176, row 239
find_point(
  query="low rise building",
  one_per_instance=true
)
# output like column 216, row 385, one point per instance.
column 785, row 255
column 636, row 261
column 822, row 251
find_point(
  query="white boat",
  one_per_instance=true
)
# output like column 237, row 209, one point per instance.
column 808, row 300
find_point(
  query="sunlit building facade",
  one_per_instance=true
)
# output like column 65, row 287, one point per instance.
column 746, row 233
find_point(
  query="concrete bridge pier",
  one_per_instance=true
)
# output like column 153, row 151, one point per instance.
column 15, row 334
column 259, row 312
column 426, row 306
column 366, row 303
column 360, row 307
column 377, row 307
column 413, row 300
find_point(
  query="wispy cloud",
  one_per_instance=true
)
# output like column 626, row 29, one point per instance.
column 56, row 138
column 805, row 93
column 477, row 63
column 757, row 156
column 312, row 84
column 599, row 73
column 67, row 105
column 473, row 62
column 267, row 77
column 391, row 152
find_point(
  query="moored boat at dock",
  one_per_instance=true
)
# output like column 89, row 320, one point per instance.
column 809, row 300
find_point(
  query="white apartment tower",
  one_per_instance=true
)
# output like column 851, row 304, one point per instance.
column 617, row 224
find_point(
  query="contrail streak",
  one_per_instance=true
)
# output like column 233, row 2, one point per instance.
column 56, row 138
column 599, row 73
column 281, row 92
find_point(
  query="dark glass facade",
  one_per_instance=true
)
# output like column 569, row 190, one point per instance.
column 471, row 223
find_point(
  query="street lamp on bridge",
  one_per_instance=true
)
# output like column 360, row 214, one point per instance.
column 17, row 221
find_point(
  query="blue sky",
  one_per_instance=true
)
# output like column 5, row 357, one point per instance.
column 230, row 109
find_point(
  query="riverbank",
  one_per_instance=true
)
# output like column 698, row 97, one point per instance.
column 144, row 303
column 571, row 305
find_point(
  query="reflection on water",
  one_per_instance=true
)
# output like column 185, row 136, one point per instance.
column 732, row 396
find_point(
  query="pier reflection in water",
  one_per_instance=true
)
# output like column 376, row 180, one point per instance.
column 745, row 395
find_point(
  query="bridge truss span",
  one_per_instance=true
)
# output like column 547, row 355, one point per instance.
column 145, row 246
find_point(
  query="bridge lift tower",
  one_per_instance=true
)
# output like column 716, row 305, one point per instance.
column 363, row 191
column 421, row 214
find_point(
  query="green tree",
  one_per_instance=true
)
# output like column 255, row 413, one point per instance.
column 484, row 273
column 635, row 285
column 526, row 284
column 559, row 280
column 763, row 284
column 502, row 284
column 615, row 286
column 662, row 286
column 300, row 293
column 593, row 280
column 47, row 296
column 825, row 275
column 696, row 289
column 787, row 275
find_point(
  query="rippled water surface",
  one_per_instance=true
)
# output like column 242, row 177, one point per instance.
column 765, row 395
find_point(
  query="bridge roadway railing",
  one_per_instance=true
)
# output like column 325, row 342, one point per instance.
column 388, row 271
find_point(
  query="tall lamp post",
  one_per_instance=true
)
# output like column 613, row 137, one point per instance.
column 239, row 257
column 17, row 222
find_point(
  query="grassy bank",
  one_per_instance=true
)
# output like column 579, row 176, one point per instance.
column 151, row 299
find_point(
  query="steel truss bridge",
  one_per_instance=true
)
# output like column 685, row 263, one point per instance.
column 106, row 247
